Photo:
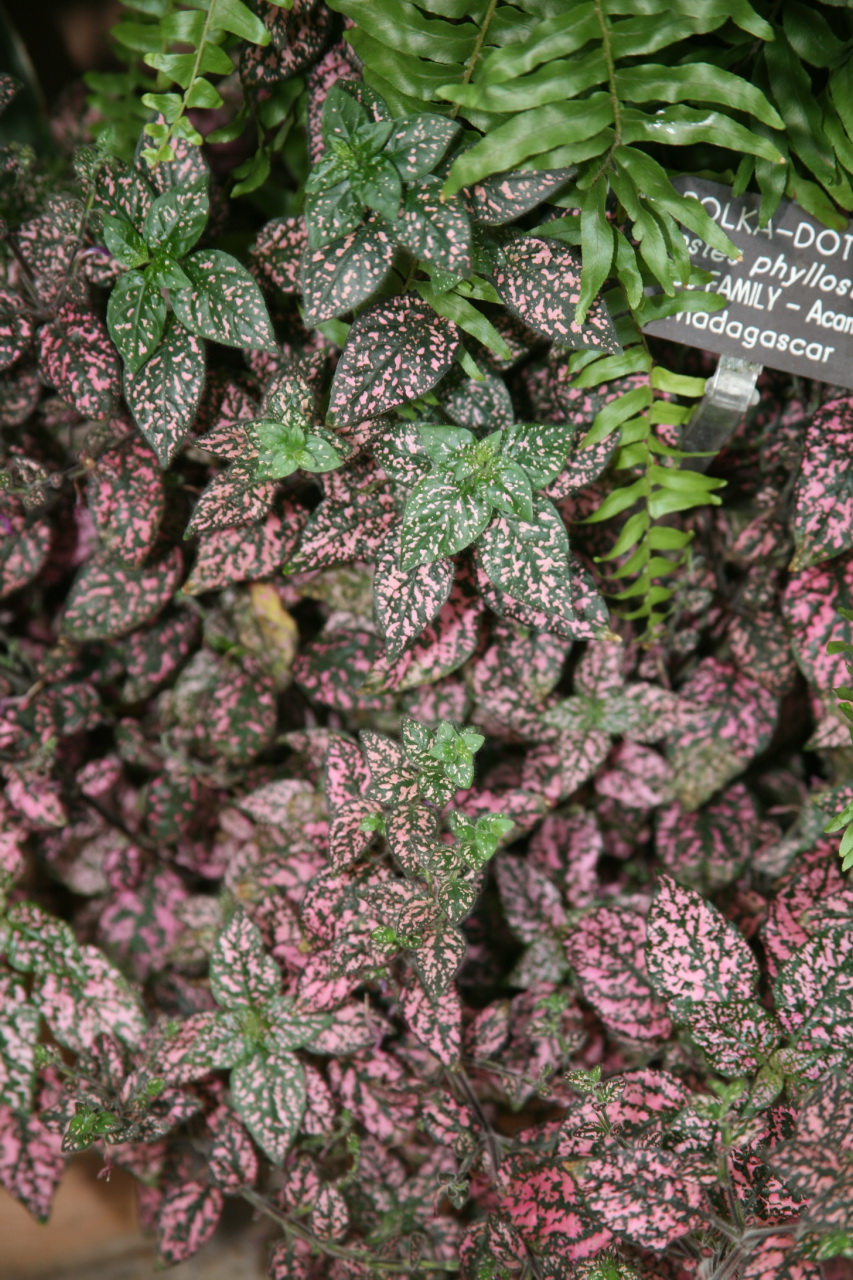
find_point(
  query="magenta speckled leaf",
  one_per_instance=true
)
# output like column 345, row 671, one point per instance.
column 637, row 777
column 23, row 550
column 530, row 561
column 19, row 1033
column 246, row 553
column 412, row 834
column 709, row 847
column 760, row 646
column 607, row 951
column 736, row 1037
column 823, row 498
column 531, row 901
column 188, row 1217
column 298, row 37
column 353, row 520
column 224, row 302
column 775, row 1256
column 644, row 1197
column 233, row 498
column 346, row 775
column 109, row 599
column 558, row 768
column 812, row 897
column 20, row 392
column 393, row 781
column 437, row 959
column 347, row 839
column 406, row 603
column 506, row 196
column 333, row 668
column 444, row 646
column 353, row 1028
column 341, row 275
column 544, row 1204
column 268, row 1094
column 240, row 715
column 277, row 252
column 31, row 1162
column 441, row 518
column 122, row 191
column 397, row 350
column 290, row 804
column 202, row 1043
column 36, row 798
column 153, row 654
column 77, row 358
column 733, row 720
column 164, row 394
column 435, row 1020
column 232, row 1161
column 241, row 973
column 126, row 499
column 540, row 281
column 693, row 953
column 810, row 606
column 16, row 327
column 814, row 992
column 435, row 230
column 329, row 1218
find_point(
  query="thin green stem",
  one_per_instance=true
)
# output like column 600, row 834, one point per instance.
column 476, row 51
column 340, row 1251
column 607, row 50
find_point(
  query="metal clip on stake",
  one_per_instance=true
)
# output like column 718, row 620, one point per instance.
column 728, row 395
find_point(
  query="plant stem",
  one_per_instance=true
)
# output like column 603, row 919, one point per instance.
column 476, row 51
column 339, row 1251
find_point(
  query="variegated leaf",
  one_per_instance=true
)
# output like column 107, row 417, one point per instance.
column 126, row 500
column 109, row 599
column 164, row 394
column 241, row 973
column 223, row 303
column 607, row 951
column 693, row 953
column 645, row 1197
column 268, row 1094
column 245, row 553
column 824, row 493
column 540, row 281
column 76, row 357
column 530, row 561
column 339, row 276
column 396, row 334
column 406, row 602
column 188, row 1217
column 435, row 1020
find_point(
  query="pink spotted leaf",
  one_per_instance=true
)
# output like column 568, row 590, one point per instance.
column 126, row 500
column 329, row 1218
column 109, row 599
column 822, row 528
column 396, row 334
column 693, row 953
column 77, row 358
column 436, row 1020
column 202, row 1043
column 544, row 1204
column 223, row 302
column 31, row 1162
column 19, row 1034
column 338, row 277
column 607, row 951
column 540, row 281
column 268, row 1094
column 736, row 1037
column 16, row 327
column 530, row 561
column 241, row 973
column 246, row 553
column 506, row 196
column 164, row 394
column 406, row 602
column 277, row 252
column 188, row 1217
column 232, row 1161
column 644, row 1197
column 814, row 992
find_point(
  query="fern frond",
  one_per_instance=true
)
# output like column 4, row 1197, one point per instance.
column 649, row 551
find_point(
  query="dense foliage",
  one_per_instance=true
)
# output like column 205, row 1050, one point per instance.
column 416, row 778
